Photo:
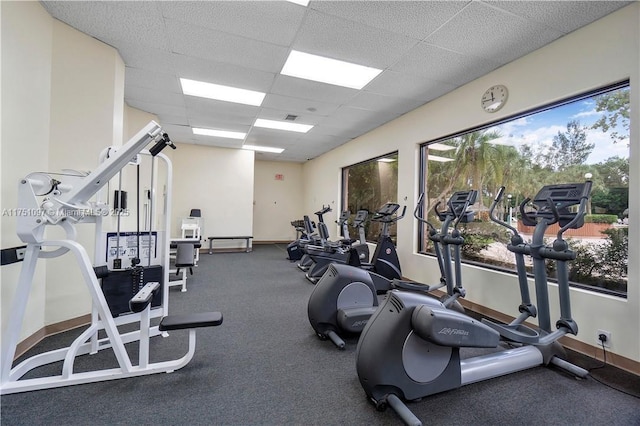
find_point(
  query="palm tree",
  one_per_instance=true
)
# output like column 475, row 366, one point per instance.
column 477, row 163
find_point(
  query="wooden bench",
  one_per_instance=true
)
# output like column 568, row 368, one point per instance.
column 243, row 237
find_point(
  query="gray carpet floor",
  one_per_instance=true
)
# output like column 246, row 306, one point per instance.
column 265, row 366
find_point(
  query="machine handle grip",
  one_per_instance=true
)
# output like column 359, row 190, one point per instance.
column 493, row 217
column 417, row 209
column 526, row 219
column 471, row 195
column 582, row 209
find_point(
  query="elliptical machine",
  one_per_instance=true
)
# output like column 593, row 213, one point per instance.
column 410, row 348
column 345, row 298
column 384, row 265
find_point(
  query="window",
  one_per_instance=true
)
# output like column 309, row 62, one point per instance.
column 369, row 185
column 558, row 143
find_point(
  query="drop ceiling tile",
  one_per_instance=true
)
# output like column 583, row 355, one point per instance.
column 138, row 23
column 222, row 73
column 217, row 124
column 486, row 32
column 154, row 96
column 210, row 107
column 350, row 41
column 158, row 109
column 415, row 19
column 306, row 89
column 146, row 58
column 173, row 119
column 151, row 80
column 563, row 16
column 297, row 106
column 270, row 21
column 217, row 46
column 410, row 86
column 347, row 116
column 218, row 142
column 443, row 65
column 375, row 102
column 273, row 138
column 279, row 115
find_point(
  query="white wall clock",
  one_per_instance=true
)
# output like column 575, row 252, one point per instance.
column 494, row 98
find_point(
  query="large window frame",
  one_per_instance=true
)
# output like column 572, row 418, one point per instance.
column 375, row 181
column 619, row 235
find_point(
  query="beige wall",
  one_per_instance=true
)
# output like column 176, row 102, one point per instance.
column 62, row 103
column 219, row 182
column 87, row 81
column 26, row 98
column 599, row 54
column 276, row 202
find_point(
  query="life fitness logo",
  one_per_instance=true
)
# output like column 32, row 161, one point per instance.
column 388, row 251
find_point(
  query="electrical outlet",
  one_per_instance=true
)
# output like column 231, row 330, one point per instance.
column 606, row 342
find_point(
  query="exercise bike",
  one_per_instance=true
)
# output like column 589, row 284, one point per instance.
column 319, row 239
column 410, row 348
column 338, row 251
column 345, row 298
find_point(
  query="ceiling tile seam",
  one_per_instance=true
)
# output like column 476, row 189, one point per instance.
column 448, row 20
column 207, row 29
column 525, row 18
column 322, row 12
column 293, row 40
column 415, row 40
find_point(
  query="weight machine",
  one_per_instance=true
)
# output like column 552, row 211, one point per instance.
column 64, row 205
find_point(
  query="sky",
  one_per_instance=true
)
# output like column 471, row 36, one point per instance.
column 540, row 128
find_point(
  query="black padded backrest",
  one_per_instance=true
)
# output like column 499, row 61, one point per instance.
column 323, row 231
column 184, row 255
column 195, row 213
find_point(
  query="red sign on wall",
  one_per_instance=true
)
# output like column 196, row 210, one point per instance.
column 279, row 176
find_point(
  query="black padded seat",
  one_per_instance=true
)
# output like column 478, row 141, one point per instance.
column 186, row 321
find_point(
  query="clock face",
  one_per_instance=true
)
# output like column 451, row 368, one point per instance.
column 494, row 98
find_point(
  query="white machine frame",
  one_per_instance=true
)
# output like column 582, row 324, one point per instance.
column 64, row 206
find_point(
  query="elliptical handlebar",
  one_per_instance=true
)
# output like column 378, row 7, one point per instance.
column 421, row 219
column 397, row 218
column 526, row 219
column 471, row 197
column 494, row 218
column 582, row 208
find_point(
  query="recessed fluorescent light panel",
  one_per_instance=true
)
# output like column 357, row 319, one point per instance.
column 304, row 3
column 325, row 70
column 263, row 148
column 218, row 133
column 440, row 147
column 221, row 93
column 282, row 125
column 438, row 159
